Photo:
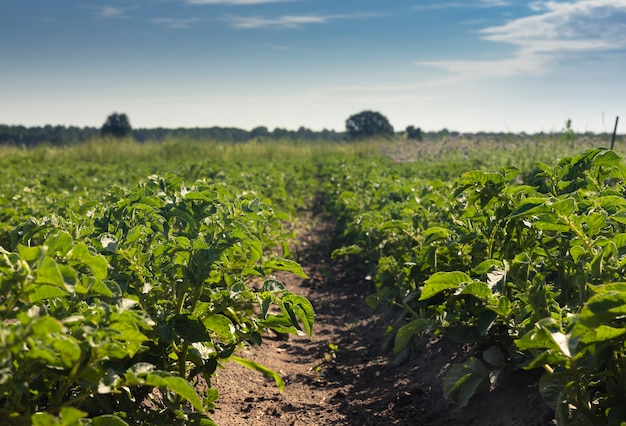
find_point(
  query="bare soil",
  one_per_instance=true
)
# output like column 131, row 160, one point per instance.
column 358, row 383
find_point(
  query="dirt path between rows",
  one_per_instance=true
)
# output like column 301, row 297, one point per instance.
column 343, row 377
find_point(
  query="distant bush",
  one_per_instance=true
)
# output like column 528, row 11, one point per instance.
column 413, row 133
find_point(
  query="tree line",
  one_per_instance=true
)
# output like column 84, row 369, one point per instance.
column 62, row 135
column 365, row 124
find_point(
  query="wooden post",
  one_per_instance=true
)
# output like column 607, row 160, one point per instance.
column 614, row 133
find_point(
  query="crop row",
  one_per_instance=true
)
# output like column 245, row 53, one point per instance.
column 531, row 272
column 106, row 300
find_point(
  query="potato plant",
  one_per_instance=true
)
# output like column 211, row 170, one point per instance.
column 152, row 288
column 532, row 272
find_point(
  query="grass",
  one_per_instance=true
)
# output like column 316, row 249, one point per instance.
column 445, row 158
column 108, row 150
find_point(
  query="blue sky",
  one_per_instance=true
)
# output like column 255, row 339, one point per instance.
column 476, row 65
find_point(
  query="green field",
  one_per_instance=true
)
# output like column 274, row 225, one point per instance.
column 126, row 266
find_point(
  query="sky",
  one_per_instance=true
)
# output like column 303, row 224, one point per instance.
column 468, row 66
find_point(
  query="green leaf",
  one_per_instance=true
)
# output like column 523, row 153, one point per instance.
column 435, row 234
column 543, row 338
column 576, row 251
column 463, row 380
column 494, row 356
column 44, row 419
column 108, row 420
column 278, row 264
column 477, row 289
column 538, row 338
column 601, row 334
column 564, row 207
column 189, row 328
column 530, row 206
column 407, row 332
column 68, row 350
column 482, row 177
column 46, row 325
column 442, row 281
column 144, row 374
column 31, row 254
column 552, row 388
column 95, row 262
column 222, row 326
column 178, row 385
column 45, row 292
column 48, row 272
column 565, row 343
column 60, row 243
column 619, row 217
column 71, row 416
column 262, row 369
column 607, row 302
column 487, row 266
column 302, row 308
column 129, row 333
column 551, row 223
column 272, row 285
column 279, row 323
column 98, row 287
column 607, row 158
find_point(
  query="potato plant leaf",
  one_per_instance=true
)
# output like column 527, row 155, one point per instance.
column 261, row 369
column 407, row 333
column 442, row 281
column 189, row 328
column 300, row 307
column 463, row 380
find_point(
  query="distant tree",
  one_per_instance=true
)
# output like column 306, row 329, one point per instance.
column 368, row 124
column 259, row 132
column 413, row 133
column 117, row 125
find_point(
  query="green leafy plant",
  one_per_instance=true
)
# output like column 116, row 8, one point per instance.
column 154, row 289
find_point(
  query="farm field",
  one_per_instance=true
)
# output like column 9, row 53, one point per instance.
column 464, row 281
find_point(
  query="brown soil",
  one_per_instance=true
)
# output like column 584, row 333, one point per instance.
column 358, row 384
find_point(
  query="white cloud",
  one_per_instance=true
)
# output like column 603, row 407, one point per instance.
column 281, row 22
column 557, row 29
column 495, row 3
column 467, row 5
column 234, row 2
column 110, row 12
column 176, row 23
column 287, row 21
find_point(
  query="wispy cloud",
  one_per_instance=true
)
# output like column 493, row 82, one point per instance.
column 110, row 12
column 176, row 23
column 281, row 22
column 466, row 5
column 235, row 2
column 555, row 30
column 288, row 21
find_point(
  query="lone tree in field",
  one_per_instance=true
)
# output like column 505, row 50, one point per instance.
column 368, row 124
column 117, row 125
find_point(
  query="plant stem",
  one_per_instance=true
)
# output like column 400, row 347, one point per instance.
column 182, row 360
column 581, row 404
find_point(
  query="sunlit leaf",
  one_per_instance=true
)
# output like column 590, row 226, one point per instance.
column 262, row 369
column 442, row 281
